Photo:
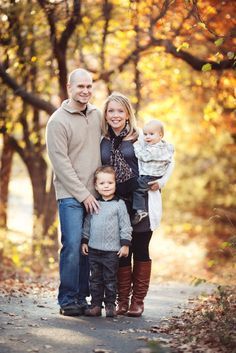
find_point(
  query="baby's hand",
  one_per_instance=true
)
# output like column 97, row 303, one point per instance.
column 84, row 249
column 154, row 186
column 124, row 251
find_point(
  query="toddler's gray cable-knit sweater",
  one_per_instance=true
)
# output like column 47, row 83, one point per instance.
column 110, row 228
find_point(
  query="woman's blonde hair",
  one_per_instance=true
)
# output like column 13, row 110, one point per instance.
column 125, row 102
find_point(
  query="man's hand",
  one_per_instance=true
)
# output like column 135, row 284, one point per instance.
column 124, row 251
column 91, row 204
column 154, row 186
column 84, row 248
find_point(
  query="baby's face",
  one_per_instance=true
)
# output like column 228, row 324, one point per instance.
column 152, row 134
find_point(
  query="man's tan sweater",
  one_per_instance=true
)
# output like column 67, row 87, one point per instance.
column 73, row 145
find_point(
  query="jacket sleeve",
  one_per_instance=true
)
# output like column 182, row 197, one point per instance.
column 124, row 224
column 57, row 147
column 86, row 229
column 163, row 180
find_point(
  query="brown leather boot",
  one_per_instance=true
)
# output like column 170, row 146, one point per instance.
column 141, row 279
column 124, row 288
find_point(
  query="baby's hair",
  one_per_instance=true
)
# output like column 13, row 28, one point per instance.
column 157, row 124
column 104, row 169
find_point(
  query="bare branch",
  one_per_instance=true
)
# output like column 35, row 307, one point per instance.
column 73, row 21
column 193, row 61
column 107, row 8
column 28, row 97
column 60, row 45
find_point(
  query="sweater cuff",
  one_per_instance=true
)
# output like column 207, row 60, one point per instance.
column 84, row 241
column 125, row 242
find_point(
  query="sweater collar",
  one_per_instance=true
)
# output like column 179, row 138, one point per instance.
column 71, row 110
column 115, row 198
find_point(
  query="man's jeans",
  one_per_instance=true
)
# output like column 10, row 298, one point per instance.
column 74, row 268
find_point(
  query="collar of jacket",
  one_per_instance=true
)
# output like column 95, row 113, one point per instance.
column 68, row 108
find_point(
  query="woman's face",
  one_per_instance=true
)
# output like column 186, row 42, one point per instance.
column 116, row 116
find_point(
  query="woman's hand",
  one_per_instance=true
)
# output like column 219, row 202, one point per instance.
column 154, row 186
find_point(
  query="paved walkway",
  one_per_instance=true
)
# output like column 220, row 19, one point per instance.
column 32, row 323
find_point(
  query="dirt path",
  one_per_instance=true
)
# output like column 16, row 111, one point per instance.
column 32, row 324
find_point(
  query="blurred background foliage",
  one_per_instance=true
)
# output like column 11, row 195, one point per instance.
column 174, row 59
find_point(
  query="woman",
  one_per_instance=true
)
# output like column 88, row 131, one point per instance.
column 120, row 132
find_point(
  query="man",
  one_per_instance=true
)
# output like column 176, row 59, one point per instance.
column 73, row 142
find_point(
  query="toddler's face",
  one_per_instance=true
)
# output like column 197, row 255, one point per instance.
column 105, row 185
column 152, row 134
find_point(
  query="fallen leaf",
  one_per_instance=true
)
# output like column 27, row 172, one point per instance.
column 131, row 330
column 143, row 350
column 142, row 338
column 12, row 314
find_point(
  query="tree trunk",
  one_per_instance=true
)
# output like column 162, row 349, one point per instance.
column 5, row 173
column 44, row 211
column 50, row 226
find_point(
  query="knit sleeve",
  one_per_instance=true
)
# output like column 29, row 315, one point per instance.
column 57, row 148
column 124, row 224
column 86, row 229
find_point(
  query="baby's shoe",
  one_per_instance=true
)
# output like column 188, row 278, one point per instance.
column 138, row 216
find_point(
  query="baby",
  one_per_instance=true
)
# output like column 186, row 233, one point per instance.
column 154, row 157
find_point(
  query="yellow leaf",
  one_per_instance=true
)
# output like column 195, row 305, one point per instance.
column 202, row 25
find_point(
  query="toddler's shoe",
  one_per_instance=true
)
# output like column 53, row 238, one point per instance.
column 139, row 215
column 93, row 311
column 110, row 310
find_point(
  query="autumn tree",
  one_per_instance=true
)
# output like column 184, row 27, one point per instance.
column 173, row 59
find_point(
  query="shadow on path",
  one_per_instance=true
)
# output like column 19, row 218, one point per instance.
column 32, row 323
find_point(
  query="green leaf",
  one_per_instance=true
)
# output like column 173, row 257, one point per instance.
column 219, row 41
column 206, row 67
column 224, row 245
column 197, row 281
column 211, row 263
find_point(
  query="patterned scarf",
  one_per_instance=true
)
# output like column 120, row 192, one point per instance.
column 117, row 160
